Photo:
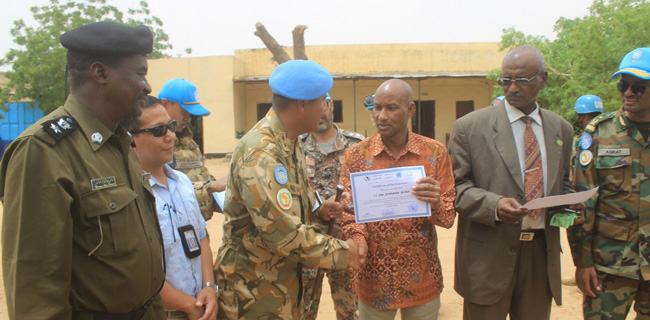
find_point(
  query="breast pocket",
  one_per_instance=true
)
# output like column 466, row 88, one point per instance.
column 166, row 225
column 614, row 174
column 114, row 211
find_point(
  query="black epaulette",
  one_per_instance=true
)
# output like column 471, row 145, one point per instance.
column 591, row 126
column 353, row 135
column 60, row 127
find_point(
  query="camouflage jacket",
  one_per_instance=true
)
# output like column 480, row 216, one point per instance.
column 615, row 237
column 324, row 168
column 189, row 160
column 267, row 229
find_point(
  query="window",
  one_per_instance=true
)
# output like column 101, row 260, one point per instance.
column 338, row 111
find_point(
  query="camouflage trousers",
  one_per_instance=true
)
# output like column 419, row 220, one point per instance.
column 345, row 299
column 617, row 296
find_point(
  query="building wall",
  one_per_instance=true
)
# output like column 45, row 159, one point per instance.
column 213, row 79
column 231, row 87
column 444, row 91
column 377, row 59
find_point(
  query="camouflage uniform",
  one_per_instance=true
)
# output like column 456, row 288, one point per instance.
column 264, row 246
column 615, row 238
column 189, row 160
column 324, row 169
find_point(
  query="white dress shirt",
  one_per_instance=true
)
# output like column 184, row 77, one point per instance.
column 518, row 130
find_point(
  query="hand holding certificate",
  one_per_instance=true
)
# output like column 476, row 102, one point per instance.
column 386, row 194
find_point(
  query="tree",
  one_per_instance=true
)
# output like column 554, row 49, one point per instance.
column 279, row 54
column 586, row 52
column 38, row 66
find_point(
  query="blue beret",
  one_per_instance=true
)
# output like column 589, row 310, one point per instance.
column 108, row 38
column 301, row 80
column 636, row 63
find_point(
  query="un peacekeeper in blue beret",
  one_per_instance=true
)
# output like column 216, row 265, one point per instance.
column 79, row 236
column 270, row 209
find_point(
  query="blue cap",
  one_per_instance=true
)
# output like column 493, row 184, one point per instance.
column 369, row 102
column 636, row 63
column 300, row 80
column 184, row 93
column 588, row 104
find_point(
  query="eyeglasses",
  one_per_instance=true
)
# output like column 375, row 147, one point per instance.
column 521, row 82
column 159, row 130
column 637, row 88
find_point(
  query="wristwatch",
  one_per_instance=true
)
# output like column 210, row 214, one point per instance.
column 211, row 285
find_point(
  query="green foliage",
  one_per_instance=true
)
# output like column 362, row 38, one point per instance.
column 586, row 52
column 38, row 66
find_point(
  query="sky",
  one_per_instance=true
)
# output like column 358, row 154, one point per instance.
column 218, row 27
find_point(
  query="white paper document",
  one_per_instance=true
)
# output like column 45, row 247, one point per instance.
column 220, row 197
column 561, row 200
column 386, row 194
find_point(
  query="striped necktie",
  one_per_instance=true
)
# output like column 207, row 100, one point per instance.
column 533, row 173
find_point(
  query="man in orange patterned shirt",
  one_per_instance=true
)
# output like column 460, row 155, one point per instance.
column 402, row 269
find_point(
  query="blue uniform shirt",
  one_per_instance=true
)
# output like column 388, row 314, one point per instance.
column 177, row 206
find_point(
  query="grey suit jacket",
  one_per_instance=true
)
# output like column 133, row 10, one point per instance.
column 486, row 169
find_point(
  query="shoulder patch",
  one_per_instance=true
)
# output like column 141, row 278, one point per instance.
column 353, row 135
column 60, row 127
column 591, row 126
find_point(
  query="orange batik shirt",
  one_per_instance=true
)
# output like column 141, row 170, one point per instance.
column 402, row 268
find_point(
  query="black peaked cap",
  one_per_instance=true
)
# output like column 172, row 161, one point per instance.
column 109, row 38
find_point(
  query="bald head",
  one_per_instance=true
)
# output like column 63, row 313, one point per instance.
column 526, row 54
column 398, row 88
column 524, row 75
column 392, row 108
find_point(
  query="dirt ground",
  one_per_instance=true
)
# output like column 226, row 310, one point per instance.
column 451, row 302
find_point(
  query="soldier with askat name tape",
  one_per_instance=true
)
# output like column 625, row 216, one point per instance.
column 611, row 250
column 270, row 208
column 80, row 238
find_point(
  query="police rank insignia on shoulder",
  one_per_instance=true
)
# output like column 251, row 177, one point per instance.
column 284, row 199
column 585, row 141
column 281, row 174
column 60, row 127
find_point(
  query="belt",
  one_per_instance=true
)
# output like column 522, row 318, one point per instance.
column 98, row 315
column 529, row 235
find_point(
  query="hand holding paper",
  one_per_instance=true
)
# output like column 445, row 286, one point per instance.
column 561, row 200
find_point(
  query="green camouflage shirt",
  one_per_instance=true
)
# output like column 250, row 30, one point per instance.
column 267, row 232
column 616, row 234
column 189, row 160
column 324, row 168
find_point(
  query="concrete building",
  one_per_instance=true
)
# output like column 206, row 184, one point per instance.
column 448, row 81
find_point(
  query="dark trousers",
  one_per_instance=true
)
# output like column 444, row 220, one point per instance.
column 528, row 296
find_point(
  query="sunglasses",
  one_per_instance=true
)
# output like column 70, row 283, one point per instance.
column 521, row 82
column 159, row 130
column 637, row 88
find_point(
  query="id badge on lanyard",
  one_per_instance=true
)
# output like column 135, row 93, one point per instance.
column 190, row 241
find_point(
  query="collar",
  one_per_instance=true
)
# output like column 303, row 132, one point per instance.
column 95, row 132
column 621, row 119
column 310, row 142
column 515, row 114
column 377, row 145
column 169, row 172
column 272, row 121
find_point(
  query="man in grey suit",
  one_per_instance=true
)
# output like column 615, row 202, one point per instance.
column 507, row 258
